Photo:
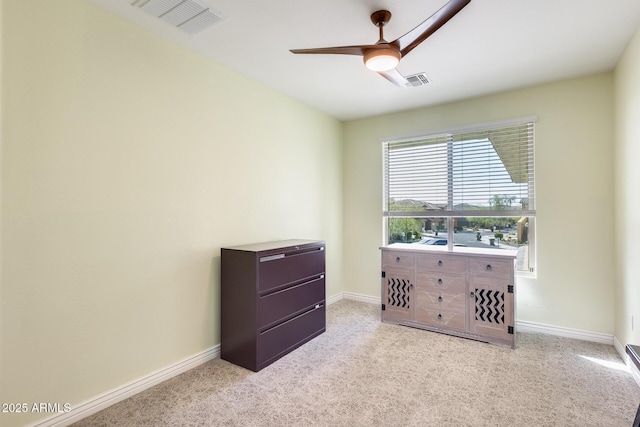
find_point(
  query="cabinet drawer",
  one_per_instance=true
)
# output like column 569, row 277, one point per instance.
column 279, row 340
column 441, row 262
column 398, row 259
column 284, row 303
column 443, row 300
column 491, row 267
column 441, row 282
column 440, row 318
column 282, row 268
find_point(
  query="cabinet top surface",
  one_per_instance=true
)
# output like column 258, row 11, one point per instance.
column 266, row 246
column 457, row 250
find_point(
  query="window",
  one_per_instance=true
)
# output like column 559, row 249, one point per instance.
column 471, row 186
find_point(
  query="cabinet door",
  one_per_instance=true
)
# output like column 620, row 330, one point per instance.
column 397, row 294
column 491, row 308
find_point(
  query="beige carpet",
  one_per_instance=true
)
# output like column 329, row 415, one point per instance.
column 365, row 373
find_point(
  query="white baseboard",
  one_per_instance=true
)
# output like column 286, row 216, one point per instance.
column 111, row 397
column 622, row 351
column 362, row 298
column 100, row 402
column 97, row 403
column 335, row 298
column 525, row 326
column 354, row 297
column 521, row 325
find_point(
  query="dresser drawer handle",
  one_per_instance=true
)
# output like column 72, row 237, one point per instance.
column 440, row 298
column 439, row 263
column 271, row 257
column 397, row 259
column 471, row 294
column 488, row 267
column 439, row 316
column 439, row 281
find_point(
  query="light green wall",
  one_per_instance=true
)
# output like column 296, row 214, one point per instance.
column 574, row 185
column 127, row 163
column 627, row 181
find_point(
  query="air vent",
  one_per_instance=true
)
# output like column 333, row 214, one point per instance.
column 189, row 16
column 416, row 80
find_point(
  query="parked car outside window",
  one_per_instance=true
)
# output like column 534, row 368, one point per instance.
column 433, row 241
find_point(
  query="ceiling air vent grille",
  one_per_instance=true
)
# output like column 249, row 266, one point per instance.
column 416, row 80
column 189, row 16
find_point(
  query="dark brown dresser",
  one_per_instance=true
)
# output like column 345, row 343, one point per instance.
column 272, row 300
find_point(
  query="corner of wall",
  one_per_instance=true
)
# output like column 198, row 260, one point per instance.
column 626, row 133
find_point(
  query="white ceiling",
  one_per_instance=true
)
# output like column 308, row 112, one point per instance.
column 490, row 46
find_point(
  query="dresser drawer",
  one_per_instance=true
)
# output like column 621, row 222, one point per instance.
column 279, row 340
column 491, row 267
column 440, row 318
column 441, row 263
column 288, row 267
column 398, row 259
column 283, row 303
column 450, row 301
column 440, row 282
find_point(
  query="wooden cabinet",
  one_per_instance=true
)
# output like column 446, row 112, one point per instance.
column 468, row 292
column 272, row 300
column 397, row 285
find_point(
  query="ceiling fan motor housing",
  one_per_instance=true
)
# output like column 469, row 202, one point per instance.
column 382, row 59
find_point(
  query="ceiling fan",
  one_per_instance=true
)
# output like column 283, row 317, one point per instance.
column 384, row 56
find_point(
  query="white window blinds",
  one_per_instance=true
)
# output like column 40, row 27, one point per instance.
column 461, row 173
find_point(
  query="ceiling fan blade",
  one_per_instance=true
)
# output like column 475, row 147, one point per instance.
column 407, row 42
column 338, row 50
column 394, row 76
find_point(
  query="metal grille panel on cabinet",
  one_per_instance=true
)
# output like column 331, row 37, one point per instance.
column 398, row 293
column 490, row 306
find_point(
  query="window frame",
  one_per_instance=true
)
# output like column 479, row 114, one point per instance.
column 448, row 135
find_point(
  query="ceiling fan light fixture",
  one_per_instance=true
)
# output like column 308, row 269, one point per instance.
column 383, row 56
column 383, row 59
